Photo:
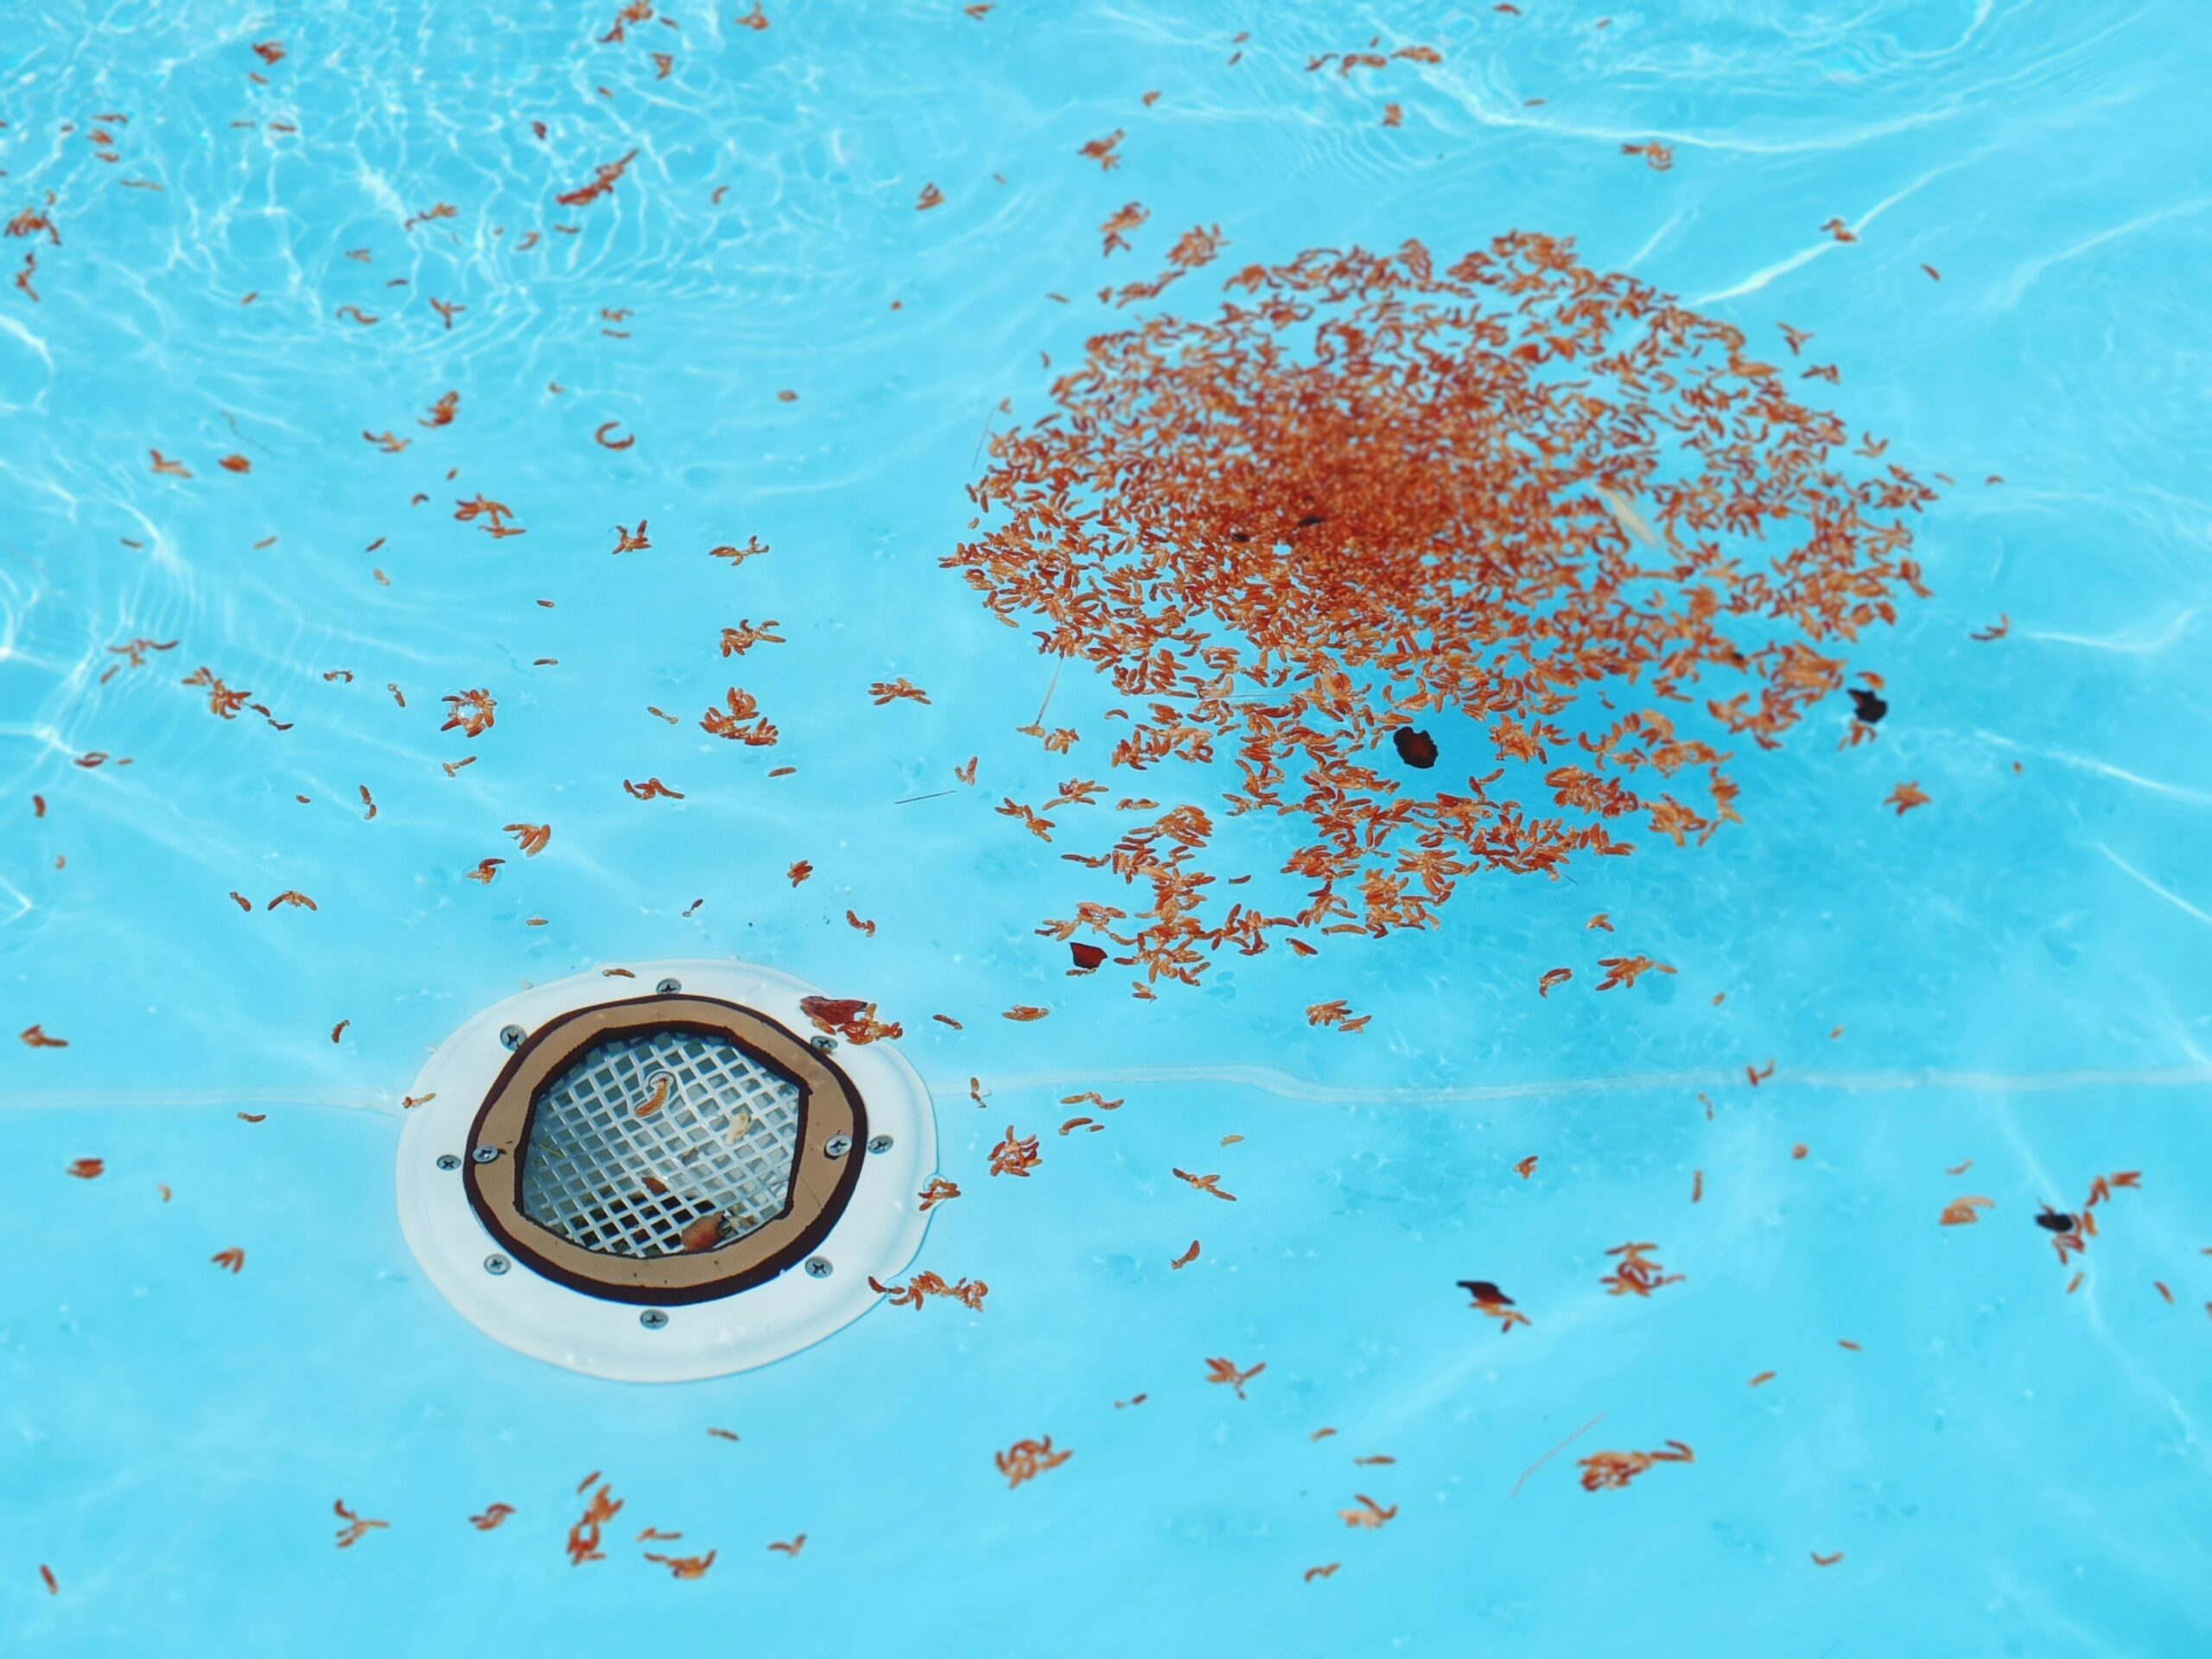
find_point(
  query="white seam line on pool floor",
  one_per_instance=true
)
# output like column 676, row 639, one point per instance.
column 1265, row 1079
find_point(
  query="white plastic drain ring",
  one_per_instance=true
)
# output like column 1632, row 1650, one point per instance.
column 544, row 1117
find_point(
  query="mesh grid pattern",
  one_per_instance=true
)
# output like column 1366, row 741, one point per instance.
column 722, row 1143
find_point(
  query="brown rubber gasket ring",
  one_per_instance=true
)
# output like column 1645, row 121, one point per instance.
column 829, row 1106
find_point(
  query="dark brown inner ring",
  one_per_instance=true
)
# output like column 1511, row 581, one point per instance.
column 830, row 1107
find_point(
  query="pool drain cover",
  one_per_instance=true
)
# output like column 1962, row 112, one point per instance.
column 647, row 1169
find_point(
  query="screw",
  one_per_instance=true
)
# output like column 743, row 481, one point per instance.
column 838, row 1145
column 668, row 987
column 652, row 1318
column 496, row 1265
column 486, row 1154
column 825, row 1044
column 879, row 1143
column 511, row 1036
column 817, row 1266
column 447, row 1161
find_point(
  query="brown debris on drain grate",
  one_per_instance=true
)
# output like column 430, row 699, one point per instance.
column 643, row 1139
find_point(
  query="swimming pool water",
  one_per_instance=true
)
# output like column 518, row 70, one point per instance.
column 2013, row 973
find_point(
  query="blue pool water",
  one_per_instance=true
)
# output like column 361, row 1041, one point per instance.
column 2018, row 970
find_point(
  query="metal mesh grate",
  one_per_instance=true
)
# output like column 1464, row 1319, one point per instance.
column 721, row 1144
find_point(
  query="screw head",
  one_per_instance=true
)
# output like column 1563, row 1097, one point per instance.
column 837, row 1145
column 652, row 1318
column 668, row 987
column 495, row 1265
column 825, row 1044
column 817, row 1266
column 512, row 1037
column 879, row 1143
column 486, row 1154
column 448, row 1161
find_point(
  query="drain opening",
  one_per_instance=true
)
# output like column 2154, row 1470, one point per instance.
column 662, row 1144
column 665, row 1150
